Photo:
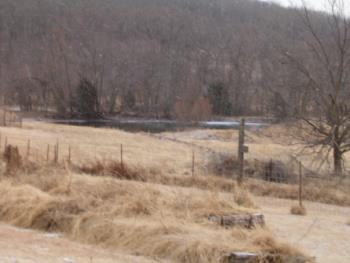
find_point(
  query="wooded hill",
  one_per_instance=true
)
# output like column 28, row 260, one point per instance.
column 159, row 58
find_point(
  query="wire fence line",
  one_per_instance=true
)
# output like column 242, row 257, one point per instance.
column 200, row 161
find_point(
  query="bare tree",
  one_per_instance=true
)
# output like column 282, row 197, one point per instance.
column 325, row 67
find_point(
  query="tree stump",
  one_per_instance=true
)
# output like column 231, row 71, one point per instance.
column 245, row 220
column 241, row 257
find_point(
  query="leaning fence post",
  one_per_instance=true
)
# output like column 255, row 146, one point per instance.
column 300, row 184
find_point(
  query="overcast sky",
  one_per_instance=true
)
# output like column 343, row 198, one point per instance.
column 314, row 4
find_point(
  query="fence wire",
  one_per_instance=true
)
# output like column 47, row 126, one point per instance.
column 194, row 160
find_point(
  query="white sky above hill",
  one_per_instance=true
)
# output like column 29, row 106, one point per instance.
column 321, row 5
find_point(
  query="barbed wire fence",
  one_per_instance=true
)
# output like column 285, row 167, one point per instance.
column 199, row 161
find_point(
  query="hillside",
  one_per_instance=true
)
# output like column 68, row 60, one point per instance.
column 155, row 58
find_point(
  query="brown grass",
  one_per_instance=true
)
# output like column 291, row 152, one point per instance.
column 113, row 169
column 157, row 221
column 298, row 210
column 169, row 162
column 91, row 144
column 319, row 192
column 157, row 211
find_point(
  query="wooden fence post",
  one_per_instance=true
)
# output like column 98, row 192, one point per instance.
column 69, row 154
column 300, row 184
column 241, row 150
column 48, row 153
column 28, row 150
column 193, row 162
column 57, row 152
column 5, row 143
column 121, row 155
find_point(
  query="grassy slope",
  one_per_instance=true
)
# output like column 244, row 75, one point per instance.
column 155, row 219
column 168, row 157
column 89, row 144
column 151, row 220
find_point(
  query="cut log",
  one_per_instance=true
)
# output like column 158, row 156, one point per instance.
column 245, row 220
column 241, row 257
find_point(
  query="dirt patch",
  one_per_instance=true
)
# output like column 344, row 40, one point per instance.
column 322, row 233
column 26, row 246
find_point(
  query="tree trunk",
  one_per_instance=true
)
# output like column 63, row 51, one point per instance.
column 337, row 154
column 337, row 159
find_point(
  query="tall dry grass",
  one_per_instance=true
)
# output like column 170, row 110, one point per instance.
column 322, row 192
column 164, row 161
column 319, row 191
column 164, row 222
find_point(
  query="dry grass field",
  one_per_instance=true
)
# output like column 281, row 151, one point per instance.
column 151, row 207
column 167, row 158
column 137, row 218
column 91, row 144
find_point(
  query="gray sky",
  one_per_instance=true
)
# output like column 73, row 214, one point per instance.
column 313, row 4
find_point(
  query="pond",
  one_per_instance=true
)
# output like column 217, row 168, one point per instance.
column 158, row 126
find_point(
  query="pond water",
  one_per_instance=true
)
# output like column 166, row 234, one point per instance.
column 158, row 126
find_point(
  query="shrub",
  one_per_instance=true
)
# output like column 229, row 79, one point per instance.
column 12, row 158
column 113, row 169
column 85, row 102
column 298, row 210
column 219, row 99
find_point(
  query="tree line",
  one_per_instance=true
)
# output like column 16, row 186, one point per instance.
column 166, row 59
